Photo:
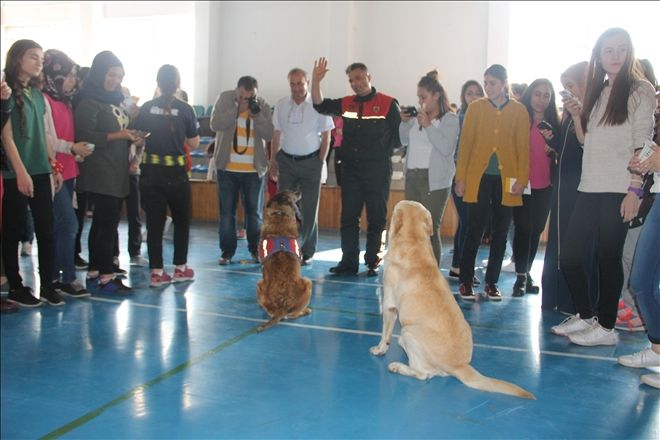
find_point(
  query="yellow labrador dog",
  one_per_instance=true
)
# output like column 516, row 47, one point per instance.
column 434, row 334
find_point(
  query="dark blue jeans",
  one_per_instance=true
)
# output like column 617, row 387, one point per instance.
column 645, row 276
column 230, row 186
column 64, row 233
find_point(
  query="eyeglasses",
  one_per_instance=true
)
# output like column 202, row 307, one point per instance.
column 296, row 114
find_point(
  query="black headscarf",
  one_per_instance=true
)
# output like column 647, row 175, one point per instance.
column 93, row 86
column 57, row 65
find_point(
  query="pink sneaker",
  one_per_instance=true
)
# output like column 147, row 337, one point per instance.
column 159, row 280
column 183, row 275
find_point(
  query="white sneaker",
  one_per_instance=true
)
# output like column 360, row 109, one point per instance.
column 595, row 335
column 572, row 324
column 651, row 379
column 643, row 359
column 26, row 249
column 139, row 260
column 508, row 266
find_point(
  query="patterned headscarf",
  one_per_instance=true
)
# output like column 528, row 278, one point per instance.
column 57, row 66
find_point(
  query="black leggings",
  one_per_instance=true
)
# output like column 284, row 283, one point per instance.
column 14, row 210
column 529, row 221
column 595, row 213
column 103, row 232
column 162, row 187
column 489, row 200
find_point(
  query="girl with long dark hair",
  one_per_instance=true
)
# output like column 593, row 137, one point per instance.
column 617, row 118
column 28, row 181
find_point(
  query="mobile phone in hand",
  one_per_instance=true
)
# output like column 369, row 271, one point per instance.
column 566, row 94
column 544, row 125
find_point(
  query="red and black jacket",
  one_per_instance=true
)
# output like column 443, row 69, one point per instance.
column 371, row 125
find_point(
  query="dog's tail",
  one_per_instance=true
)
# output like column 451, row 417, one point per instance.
column 472, row 378
column 273, row 321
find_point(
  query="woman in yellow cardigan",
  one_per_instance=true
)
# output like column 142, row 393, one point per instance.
column 491, row 173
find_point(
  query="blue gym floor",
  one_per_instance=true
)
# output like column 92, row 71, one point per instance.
column 185, row 361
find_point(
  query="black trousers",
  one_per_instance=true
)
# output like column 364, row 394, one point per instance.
column 162, row 187
column 103, row 232
column 489, row 200
column 595, row 214
column 364, row 184
column 14, row 210
column 529, row 221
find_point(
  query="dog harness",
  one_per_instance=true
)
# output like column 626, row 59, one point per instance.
column 272, row 245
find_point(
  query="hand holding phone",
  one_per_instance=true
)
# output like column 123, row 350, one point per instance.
column 544, row 125
column 566, row 94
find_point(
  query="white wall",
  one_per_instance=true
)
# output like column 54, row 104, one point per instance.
column 398, row 41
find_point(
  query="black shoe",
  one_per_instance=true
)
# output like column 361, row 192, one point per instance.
column 373, row 268
column 49, row 295
column 340, row 269
column 80, row 262
column 466, row 292
column 114, row 286
column 70, row 289
column 519, row 286
column 530, row 287
column 453, row 274
column 492, row 292
column 23, row 297
column 306, row 261
column 225, row 259
column 118, row 270
column 475, row 281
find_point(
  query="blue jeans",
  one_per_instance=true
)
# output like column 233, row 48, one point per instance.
column 230, row 186
column 65, row 228
column 645, row 276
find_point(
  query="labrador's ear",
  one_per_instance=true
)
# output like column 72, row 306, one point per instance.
column 428, row 223
column 396, row 222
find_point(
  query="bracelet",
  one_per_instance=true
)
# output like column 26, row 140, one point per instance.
column 57, row 166
column 637, row 191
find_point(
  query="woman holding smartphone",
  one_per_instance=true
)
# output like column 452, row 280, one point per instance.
column 529, row 219
column 491, row 173
column 617, row 118
column 100, row 120
column 566, row 172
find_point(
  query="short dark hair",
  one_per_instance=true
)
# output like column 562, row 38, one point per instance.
column 356, row 66
column 248, row 83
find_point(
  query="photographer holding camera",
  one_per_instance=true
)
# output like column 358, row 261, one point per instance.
column 243, row 124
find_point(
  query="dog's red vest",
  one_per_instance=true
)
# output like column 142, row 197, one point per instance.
column 273, row 245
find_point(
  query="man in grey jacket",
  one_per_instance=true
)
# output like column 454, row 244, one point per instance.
column 243, row 125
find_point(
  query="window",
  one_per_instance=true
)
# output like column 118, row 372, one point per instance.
column 548, row 37
column 143, row 36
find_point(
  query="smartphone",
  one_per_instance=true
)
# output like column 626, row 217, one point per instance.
column 142, row 134
column 646, row 152
column 566, row 94
column 544, row 125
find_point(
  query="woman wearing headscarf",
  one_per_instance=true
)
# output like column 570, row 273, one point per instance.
column 60, row 83
column 99, row 119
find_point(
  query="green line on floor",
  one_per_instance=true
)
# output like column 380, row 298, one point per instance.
column 141, row 388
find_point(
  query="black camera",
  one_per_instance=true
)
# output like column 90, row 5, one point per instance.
column 412, row 111
column 253, row 105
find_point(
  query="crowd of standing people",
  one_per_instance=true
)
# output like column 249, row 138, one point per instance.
column 593, row 171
